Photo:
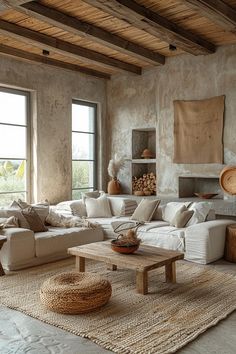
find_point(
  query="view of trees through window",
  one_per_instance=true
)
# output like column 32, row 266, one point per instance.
column 83, row 148
column 13, row 145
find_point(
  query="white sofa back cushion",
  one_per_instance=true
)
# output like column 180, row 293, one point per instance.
column 122, row 206
column 201, row 210
column 170, row 209
column 98, row 208
column 77, row 207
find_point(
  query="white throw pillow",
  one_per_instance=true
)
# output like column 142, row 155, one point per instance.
column 201, row 211
column 98, row 208
column 76, row 207
column 170, row 209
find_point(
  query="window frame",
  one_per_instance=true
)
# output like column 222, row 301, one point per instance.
column 27, row 125
column 94, row 133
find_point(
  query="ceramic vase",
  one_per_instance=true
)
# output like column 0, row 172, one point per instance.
column 114, row 186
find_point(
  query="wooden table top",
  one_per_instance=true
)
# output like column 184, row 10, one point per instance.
column 145, row 258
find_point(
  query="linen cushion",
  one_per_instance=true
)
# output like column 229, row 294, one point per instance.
column 157, row 215
column 201, row 211
column 145, row 210
column 93, row 194
column 98, row 208
column 33, row 219
column 78, row 208
column 41, row 208
column 182, row 217
column 170, row 209
column 122, row 206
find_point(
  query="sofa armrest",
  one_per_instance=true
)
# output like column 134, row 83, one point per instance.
column 20, row 245
column 204, row 242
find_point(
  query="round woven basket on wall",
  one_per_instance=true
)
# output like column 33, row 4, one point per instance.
column 228, row 179
column 75, row 292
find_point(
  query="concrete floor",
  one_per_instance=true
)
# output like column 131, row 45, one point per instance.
column 22, row 334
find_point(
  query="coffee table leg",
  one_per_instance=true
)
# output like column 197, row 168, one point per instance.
column 111, row 267
column 170, row 273
column 142, row 282
column 80, row 263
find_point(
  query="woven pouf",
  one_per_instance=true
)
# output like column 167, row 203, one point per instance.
column 74, row 292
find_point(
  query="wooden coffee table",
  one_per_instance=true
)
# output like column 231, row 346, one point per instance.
column 143, row 260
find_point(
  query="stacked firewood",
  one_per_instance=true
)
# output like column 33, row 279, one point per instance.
column 146, row 184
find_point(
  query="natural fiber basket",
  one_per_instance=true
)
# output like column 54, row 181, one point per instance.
column 75, row 292
column 228, row 179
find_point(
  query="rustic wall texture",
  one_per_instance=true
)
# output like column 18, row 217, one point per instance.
column 52, row 91
column 147, row 101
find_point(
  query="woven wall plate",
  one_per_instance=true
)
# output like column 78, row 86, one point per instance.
column 228, row 179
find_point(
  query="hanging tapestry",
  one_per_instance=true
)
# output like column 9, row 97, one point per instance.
column 198, row 131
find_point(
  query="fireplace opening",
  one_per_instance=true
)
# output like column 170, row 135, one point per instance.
column 199, row 184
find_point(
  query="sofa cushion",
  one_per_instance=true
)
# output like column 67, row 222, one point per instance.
column 58, row 240
column 201, row 210
column 167, row 237
column 170, row 209
column 33, row 219
column 182, row 217
column 122, row 206
column 41, row 208
column 98, row 208
column 145, row 210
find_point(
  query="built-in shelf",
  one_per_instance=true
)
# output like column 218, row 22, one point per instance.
column 143, row 138
column 143, row 160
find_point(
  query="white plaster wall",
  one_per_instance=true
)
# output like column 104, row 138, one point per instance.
column 147, row 101
column 52, row 92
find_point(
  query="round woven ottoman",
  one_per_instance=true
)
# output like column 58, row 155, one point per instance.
column 74, row 292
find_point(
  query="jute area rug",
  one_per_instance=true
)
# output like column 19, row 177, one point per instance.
column 163, row 321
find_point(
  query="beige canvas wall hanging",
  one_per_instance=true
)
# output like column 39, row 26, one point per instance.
column 198, row 131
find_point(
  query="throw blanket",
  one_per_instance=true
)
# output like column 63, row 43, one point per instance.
column 12, row 221
column 56, row 219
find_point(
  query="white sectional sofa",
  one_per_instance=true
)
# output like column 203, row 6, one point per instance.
column 201, row 243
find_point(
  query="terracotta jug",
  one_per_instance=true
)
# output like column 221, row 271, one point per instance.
column 114, row 186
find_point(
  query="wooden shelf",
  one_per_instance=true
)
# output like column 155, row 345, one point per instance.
column 143, row 160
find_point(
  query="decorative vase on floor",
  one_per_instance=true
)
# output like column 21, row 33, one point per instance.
column 114, row 186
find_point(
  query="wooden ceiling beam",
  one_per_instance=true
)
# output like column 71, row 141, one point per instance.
column 149, row 21
column 7, row 4
column 59, row 46
column 89, row 31
column 217, row 11
column 14, row 52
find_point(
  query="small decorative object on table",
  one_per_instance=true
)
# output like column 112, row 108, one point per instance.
column 127, row 243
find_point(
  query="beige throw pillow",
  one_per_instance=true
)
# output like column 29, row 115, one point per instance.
column 98, row 208
column 182, row 217
column 145, row 210
column 33, row 219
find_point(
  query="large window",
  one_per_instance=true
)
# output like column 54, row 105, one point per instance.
column 14, row 154
column 83, row 147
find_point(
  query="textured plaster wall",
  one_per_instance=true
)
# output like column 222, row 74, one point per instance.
column 52, row 91
column 147, row 101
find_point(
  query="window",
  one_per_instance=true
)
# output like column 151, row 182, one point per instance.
column 14, row 154
column 83, row 147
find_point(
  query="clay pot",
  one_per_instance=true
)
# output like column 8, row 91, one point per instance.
column 114, row 186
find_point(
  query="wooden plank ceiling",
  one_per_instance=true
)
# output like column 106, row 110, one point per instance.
column 106, row 37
